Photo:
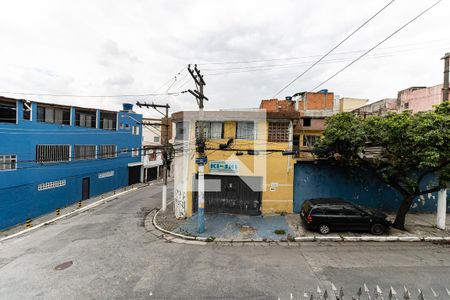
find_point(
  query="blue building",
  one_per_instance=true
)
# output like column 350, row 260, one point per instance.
column 53, row 155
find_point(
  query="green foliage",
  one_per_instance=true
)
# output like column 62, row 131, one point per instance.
column 412, row 146
column 279, row 231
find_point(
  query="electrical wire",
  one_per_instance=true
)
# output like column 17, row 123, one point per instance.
column 378, row 44
column 89, row 96
column 340, row 43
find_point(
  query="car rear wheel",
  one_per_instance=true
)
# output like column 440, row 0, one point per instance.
column 324, row 228
column 377, row 229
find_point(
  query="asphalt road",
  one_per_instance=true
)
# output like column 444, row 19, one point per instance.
column 113, row 257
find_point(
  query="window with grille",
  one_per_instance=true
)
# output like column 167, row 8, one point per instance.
column 108, row 120
column 135, row 130
column 54, row 115
column 310, row 140
column 52, row 153
column 278, row 132
column 245, row 130
column 8, row 162
column 85, row 118
column 135, row 152
column 84, row 152
column 106, row 151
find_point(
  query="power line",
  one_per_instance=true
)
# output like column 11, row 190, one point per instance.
column 314, row 56
column 326, row 54
column 381, row 42
column 89, row 96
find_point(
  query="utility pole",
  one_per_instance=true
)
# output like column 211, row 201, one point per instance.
column 165, row 123
column 200, row 143
column 442, row 194
column 445, row 90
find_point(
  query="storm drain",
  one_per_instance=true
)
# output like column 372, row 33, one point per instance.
column 63, row 266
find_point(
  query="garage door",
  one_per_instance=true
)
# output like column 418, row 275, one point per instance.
column 231, row 194
column 134, row 175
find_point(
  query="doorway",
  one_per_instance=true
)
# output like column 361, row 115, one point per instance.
column 85, row 188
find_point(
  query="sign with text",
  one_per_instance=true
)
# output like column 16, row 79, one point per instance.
column 223, row 166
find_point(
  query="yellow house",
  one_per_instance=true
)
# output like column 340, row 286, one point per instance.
column 246, row 171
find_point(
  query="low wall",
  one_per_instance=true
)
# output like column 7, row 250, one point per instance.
column 323, row 179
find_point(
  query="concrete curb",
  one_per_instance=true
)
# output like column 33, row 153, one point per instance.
column 72, row 213
column 180, row 238
column 185, row 239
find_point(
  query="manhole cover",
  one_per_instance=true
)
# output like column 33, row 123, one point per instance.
column 64, row 265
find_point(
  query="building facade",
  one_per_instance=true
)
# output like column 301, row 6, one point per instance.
column 246, row 171
column 152, row 150
column 53, row 155
column 347, row 104
column 419, row 98
column 378, row 108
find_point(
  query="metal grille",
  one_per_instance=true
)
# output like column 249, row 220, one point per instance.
column 107, row 151
column 51, row 185
column 52, row 153
column 84, row 152
column 278, row 132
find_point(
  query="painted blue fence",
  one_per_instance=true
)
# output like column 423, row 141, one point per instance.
column 322, row 179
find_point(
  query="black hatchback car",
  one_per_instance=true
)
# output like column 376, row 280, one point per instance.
column 335, row 214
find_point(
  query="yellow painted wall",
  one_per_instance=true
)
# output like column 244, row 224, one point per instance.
column 277, row 170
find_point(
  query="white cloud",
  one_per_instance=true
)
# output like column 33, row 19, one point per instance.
column 126, row 47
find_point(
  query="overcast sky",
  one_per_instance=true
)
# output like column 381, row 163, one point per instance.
column 134, row 47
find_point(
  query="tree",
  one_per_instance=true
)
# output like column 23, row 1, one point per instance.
column 412, row 151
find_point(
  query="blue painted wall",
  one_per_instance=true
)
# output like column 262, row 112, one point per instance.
column 19, row 195
column 322, row 179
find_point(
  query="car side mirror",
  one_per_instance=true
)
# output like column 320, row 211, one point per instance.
column 364, row 214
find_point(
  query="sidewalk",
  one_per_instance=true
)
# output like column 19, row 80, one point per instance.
column 230, row 227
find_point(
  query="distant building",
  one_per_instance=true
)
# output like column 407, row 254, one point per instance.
column 54, row 155
column 314, row 108
column 419, row 98
column 347, row 104
column 379, row 108
column 152, row 149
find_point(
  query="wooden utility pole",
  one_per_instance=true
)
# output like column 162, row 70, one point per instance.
column 165, row 146
column 200, row 143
